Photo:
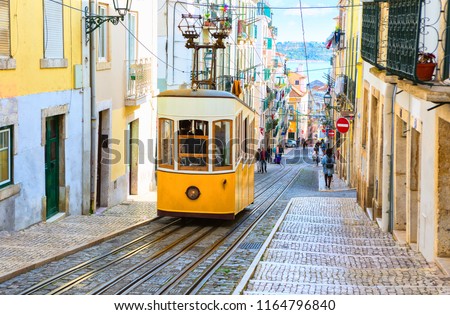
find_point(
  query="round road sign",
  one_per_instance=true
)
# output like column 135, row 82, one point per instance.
column 342, row 125
column 331, row 133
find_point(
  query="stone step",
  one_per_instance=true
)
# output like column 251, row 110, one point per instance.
column 269, row 287
column 328, row 220
column 344, row 249
column 334, row 239
column 279, row 272
column 341, row 260
column 342, row 231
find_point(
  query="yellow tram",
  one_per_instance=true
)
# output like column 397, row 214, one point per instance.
column 205, row 154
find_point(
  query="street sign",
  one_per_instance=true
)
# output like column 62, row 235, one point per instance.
column 342, row 125
column 331, row 133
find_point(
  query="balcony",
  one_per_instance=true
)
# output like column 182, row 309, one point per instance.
column 394, row 32
column 138, row 81
column 264, row 9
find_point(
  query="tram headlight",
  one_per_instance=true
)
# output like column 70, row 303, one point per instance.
column 193, row 192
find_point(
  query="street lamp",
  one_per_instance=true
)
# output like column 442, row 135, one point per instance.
column 327, row 99
column 208, row 60
column 95, row 21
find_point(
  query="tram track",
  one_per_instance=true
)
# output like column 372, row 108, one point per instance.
column 191, row 268
column 43, row 284
column 206, row 274
column 134, row 275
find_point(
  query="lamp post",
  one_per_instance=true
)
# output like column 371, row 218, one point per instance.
column 208, row 60
column 327, row 99
column 94, row 21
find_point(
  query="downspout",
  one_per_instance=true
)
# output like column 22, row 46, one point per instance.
column 387, row 217
column 391, row 166
column 93, row 66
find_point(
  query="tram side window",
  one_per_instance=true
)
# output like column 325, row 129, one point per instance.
column 192, row 144
column 166, row 143
column 222, row 145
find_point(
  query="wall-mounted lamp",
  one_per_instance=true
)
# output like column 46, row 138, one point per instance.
column 95, row 21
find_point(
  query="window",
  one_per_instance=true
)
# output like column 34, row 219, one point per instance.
column 222, row 145
column 132, row 34
column 5, row 156
column 102, row 50
column 166, row 143
column 4, row 29
column 53, row 30
column 192, row 145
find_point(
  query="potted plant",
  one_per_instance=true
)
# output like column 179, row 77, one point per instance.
column 207, row 22
column 426, row 62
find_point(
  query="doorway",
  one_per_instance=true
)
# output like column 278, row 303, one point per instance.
column 52, row 147
column 133, row 157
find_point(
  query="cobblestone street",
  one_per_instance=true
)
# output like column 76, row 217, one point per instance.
column 329, row 246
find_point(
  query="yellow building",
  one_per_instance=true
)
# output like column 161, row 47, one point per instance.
column 124, row 104
column 42, row 105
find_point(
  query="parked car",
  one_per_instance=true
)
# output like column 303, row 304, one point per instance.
column 290, row 143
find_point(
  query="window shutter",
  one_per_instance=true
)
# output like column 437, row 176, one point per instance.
column 53, row 30
column 4, row 29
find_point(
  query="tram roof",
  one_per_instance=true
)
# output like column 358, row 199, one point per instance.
column 197, row 93
column 203, row 94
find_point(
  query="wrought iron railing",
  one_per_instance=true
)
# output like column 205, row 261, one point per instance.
column 139, row 79
column 394, row 32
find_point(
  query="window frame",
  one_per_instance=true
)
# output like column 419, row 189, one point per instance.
column 46, row 51
column 8, row 30
column 172, row 147
column 10, row 130
column 204, row 138
column 103, row 34
column 230, row 166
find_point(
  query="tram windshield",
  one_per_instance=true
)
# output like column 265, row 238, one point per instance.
column 222, row 145
column 166, row 144
column 192, row 144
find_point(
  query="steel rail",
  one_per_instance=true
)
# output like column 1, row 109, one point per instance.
column 183, row 274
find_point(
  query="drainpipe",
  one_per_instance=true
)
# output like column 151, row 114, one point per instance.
column 387, row 217
column 92, row 60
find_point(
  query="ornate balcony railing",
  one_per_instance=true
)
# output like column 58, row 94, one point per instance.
column 138, row 81
column 394, row 32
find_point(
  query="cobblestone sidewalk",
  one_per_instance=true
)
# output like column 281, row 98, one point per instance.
column 45, row 242
column 329, row 246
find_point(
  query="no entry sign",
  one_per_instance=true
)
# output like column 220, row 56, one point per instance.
column 342, row 125
column 331, row 133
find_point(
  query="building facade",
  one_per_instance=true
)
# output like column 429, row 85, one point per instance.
column 402, row 119
column 123, row 64
column 43, row 100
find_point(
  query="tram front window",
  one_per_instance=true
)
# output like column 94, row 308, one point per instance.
column 192, row 144
column 222, row 145
column 166, row 143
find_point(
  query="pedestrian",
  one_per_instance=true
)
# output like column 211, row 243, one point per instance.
column 258, row 160
column 323, row 145
column 328, row 167
column 263, row 159
column 316, row 153
column 269, row 154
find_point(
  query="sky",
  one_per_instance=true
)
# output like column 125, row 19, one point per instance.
column 319, row 22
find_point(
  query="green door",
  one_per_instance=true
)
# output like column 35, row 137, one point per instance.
column 52, row 165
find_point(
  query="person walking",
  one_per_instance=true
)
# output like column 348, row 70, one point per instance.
column 263, row 159
column 258, row 160
column 269, row 154
column 316, row 153
column 328, row 167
